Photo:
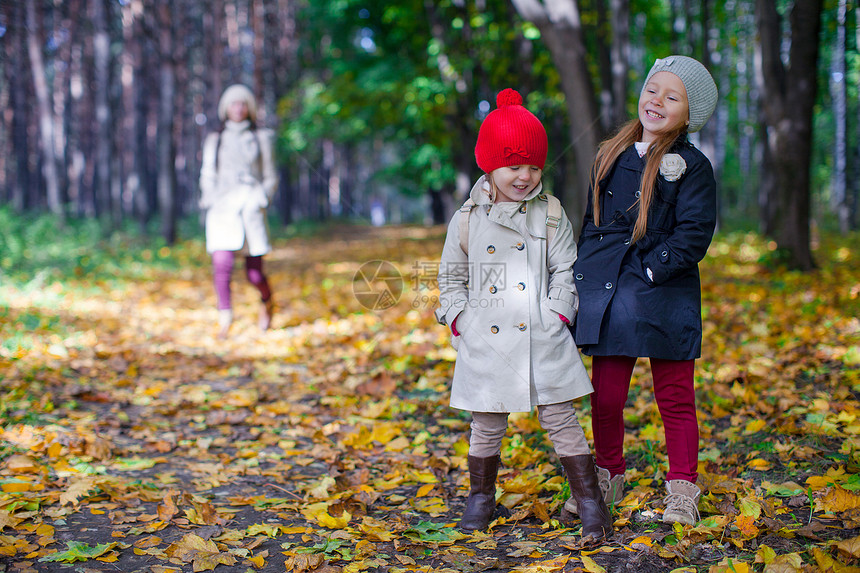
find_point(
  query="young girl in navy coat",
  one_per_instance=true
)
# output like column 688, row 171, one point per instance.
column 650, row 218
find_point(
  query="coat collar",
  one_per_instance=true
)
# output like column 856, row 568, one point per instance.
column 630, row 159
column 237, row 125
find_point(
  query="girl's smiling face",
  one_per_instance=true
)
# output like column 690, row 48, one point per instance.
column 663, row 105
column 514, row 183
column 237, row 110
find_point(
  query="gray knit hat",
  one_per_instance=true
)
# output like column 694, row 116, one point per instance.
column 700, row 86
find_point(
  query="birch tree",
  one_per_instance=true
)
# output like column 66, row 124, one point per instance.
column 561, row 30
column 46, row 118
column 838, row 91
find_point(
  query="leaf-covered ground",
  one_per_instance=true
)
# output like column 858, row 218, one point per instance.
column 133, row 440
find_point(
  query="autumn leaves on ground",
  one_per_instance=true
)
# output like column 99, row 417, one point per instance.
column 131, row 439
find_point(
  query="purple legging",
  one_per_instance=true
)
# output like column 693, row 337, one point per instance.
column 222, row 267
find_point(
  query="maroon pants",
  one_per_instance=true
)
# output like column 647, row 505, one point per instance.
column 222, row 269
column 676, row 400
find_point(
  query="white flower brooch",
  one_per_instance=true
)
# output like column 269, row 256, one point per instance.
column 672, row 166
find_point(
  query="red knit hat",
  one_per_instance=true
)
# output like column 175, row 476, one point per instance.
column 510, row 135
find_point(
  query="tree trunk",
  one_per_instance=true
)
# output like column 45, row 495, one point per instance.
column 104, row 129
column 561, row 30
column 213, row 26
column 854, row 203
column 614, row 36
column 166, row 148
column 747, row 94
column 61, row 94
column 839, row 95
column 620, row 50
column 46, row 117
column 21, row 179
column 285, row 72
column 788, row 97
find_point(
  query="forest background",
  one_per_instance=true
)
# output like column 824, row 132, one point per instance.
column 377, row 104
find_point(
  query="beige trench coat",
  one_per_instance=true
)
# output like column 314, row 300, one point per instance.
column 514, row 352
column 236, row 192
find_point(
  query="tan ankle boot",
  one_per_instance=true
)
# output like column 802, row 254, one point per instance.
column 612, row 488
column 682, row 503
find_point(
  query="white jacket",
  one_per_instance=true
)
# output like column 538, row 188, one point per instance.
column 236, row 192
column 514, row 351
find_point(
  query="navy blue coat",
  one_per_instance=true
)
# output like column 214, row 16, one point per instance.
column 621, row 310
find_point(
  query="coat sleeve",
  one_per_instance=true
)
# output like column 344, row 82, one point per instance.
column 453, row 276
column 208, row 172
column 696, row 218
column 561, row 254
column 270, row 171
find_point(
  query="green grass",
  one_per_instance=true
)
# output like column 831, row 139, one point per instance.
column 35, row 250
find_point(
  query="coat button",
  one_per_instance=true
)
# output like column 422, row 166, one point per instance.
column 521, row 286
column 521, row 326
column 494, row 329
column 523, row 208
column 664, row 254
column 608, row 286
column 599, row 237
column 637, row 194
column 493, row 289
column 491, row 249
column 609, row 192
column 626, row 241
column 579, row 276
column 520, row 246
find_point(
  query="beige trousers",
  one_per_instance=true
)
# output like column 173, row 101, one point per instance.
column 559, row 421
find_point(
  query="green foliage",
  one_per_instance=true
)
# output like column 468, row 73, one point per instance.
column 407, row 78
column 78, row 551
column 429, row 532
column 331, row 548
column 36, row 250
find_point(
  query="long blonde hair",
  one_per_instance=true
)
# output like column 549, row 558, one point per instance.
column 612, row 148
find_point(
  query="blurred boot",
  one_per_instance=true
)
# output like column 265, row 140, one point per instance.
column 267, row 309
column 225, row 319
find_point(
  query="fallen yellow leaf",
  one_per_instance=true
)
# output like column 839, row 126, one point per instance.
column 591, row 566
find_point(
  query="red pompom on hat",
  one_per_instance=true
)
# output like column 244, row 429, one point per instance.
column 510, row 135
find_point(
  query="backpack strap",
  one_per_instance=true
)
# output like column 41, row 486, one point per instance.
column 463, row 223
column 553, row 216
column 553, row 219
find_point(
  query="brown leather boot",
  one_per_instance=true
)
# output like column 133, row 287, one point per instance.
column 482, row 494
column 611, row 486
column 592, row 510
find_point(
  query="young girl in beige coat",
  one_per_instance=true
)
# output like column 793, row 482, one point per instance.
column 507, row 293
column 237, row 181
